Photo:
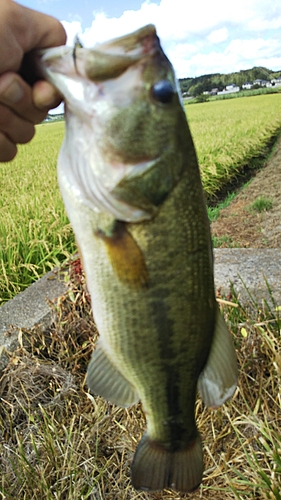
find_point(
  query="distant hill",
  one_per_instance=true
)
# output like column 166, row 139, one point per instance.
column 195, row 86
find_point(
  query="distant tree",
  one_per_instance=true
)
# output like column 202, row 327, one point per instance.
column 196, row 86
column 220, row 85
column 202, row 98
column 195, row 90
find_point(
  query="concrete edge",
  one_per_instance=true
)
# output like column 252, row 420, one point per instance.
column 247, row 269
column 250, row 271
column 27, row 309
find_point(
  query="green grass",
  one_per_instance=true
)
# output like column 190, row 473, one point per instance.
column 34, row 231
column 214, row 211
column 261, row 204
column 224, row 241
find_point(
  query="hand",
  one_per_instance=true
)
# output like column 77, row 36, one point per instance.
column 22, row 105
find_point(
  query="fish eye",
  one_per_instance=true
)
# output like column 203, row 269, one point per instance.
column 163, row 91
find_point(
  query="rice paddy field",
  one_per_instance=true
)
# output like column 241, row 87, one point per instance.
column 230, row 135
column 35, row 234
column 59, row 442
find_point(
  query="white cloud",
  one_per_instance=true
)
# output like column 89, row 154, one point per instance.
column 203, row 64
column 218, row 36
column 72, row 29
column 189, row 34
column 265, row 24
column 254, row 48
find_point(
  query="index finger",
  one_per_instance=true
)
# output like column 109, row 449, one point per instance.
column 43, row 30
column 23, row 30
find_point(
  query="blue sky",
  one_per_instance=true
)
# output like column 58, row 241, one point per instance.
column 82, row 10
column 198, row 37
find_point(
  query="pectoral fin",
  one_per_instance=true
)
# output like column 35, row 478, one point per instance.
column 125, row 256
column 106, row 381
column 218, row 380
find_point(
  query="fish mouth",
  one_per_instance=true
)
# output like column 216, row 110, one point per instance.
column 108, row 154
column 106, row 60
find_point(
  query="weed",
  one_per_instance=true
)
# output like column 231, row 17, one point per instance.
column 261, row 204
column 214, row 211
column 223, row 241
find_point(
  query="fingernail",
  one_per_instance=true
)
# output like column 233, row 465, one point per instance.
column 13, row 93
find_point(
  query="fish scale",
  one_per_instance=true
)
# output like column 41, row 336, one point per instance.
column 131, row 185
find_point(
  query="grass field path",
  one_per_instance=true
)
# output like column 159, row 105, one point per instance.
column 244, row 222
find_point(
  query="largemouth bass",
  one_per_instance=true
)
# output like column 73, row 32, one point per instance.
column 131, row 185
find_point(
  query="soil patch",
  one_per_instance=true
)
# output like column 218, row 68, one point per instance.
column 238, row 225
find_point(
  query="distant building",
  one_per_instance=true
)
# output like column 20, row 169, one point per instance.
column 211, row 92
column 247, row 85
column 261, row 83
column 230, row 86
column 276, row 82
column 54, row 117
column 230, row 89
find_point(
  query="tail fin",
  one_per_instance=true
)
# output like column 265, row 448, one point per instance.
column 155, row 468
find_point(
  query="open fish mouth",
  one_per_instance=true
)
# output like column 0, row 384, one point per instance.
column 112, row 94
column 107, row 60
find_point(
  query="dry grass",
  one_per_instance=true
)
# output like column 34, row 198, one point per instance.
column 57, row 441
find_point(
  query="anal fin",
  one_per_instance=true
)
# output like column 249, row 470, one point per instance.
column 105, row 380
column 155, row 468
column 218, row 380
